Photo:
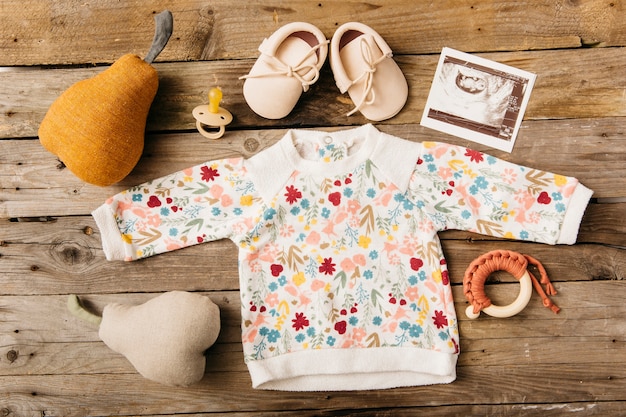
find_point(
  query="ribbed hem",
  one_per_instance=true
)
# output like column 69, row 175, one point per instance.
column 112, row 242
column 574, row 215
column 353, row 369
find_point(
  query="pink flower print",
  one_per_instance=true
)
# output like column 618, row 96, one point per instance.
column 216, row 191
column 209, row 174
column 292, row 194
column 440, row 319
column 474, row 156
column 317, row 285
column 300, row 322
column 358, row 334
column 359, row 259
column 313, row 239
column 509, row 176
column 328, row 267
column 353, row 206
column 286, row 230
column 445, row 173
column 347, row 265
column 411, row 293
column 272, row 299
column 154, row 220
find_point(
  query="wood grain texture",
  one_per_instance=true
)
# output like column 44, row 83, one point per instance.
column 534, row 364
column 571, row 84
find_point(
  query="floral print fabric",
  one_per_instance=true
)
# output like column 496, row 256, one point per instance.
column 347, row 261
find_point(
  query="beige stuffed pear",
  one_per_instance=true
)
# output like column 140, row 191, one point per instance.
column 164, row 338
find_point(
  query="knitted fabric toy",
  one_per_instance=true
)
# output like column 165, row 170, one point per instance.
column 164, row 338
column 97, row 126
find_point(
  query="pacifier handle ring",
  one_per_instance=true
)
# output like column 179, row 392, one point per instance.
column 210, row 135
column 513, row 263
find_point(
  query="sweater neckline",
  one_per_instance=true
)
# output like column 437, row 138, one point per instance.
column 272, row 168
column 299, row 146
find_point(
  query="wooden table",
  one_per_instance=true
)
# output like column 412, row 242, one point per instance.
column 534, row 364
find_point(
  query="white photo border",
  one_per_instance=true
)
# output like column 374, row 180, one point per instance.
column 453, row 115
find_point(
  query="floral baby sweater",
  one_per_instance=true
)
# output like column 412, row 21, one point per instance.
column 343, row 281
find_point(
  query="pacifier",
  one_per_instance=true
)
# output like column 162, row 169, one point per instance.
column 212, row 116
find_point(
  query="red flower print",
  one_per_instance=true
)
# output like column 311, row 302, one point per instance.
column 440, row 320
column 276, row 269
column 544, row 198
column 292, row 194
column 209, row 174
column 300, row 322
column 475, row 156
column 341, row 326
column 445, row 277
column 334, row 198
column 416, row 264
column 328, row 267
column 154, row 201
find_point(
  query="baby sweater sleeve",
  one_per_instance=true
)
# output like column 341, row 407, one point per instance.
column 206, row 202
column 464, row 189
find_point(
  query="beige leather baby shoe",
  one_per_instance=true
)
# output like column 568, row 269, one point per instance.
column 289, row 64
column 363, row 66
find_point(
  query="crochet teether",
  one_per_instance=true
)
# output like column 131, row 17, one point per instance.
column 513, row 263
column 212, row 115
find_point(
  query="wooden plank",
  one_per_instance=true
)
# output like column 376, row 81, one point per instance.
column 130, row 394
column 34, row 183
column 38, row 320
column 571, row 84
column 35, row 32
column 65, row 256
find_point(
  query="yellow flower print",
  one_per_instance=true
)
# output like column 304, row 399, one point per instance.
column 560, row 180
column 299, row 279
column 437, row 276
column 364, row 241
column 509, row 235
column 246, row 200
column 127, row 238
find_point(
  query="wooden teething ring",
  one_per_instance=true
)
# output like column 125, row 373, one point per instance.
column 513, row 263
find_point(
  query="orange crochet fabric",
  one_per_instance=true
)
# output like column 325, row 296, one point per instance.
column 97, row 126
column 503, row 260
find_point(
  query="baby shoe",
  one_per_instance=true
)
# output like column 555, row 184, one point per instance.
column 289, row 64
column 363, row 66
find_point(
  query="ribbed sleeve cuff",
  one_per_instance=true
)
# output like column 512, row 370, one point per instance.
column 574, row 214
column 112, row 242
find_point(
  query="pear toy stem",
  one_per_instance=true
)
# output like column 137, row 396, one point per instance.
column 77, row 309
column 164, row 28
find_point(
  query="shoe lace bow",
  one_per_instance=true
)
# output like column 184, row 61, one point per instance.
column 369, row 95
column 278, row 67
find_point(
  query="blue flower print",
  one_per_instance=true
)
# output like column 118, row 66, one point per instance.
column 304, row 203
column 557, row 196
column 482, row 183
column 237, row 211
column 295, row 210
column 560, row 207
column 137, row 197
column 330, row 341
column 523, row 234
column 465, row 214
column 374, row 254
column 325, row 213
column 269, row 214
column 371, row 193
column 377, row 320
column 353, row 321
column 173, row 231
column 273, row 336
column 310, row 331
column 165, row 211
column 300, row 337
column 216, row 211
column 415, row 330
column 348, row 192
